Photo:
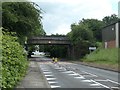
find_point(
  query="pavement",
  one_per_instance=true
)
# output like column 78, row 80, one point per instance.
column 34, row 78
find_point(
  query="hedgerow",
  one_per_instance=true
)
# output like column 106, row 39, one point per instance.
column 14, row 61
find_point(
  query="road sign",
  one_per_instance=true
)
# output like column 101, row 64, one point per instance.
column 92, row 48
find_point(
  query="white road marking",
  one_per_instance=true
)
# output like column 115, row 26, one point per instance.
column 48, row 75
column 50, row 82
column 115, row 87
column 113, row 81
column 47, row 72
column 58, row 68
column 74, row 74
column 52, row 86
column 90, row 73
column 68, row 72
column 86, row 81
column 51, row 78
column 96, row 84
column 105, row 80
column 100, row 84
column 79, row 77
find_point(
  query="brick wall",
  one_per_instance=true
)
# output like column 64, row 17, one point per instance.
column 110, row 44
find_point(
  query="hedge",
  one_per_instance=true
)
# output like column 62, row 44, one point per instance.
column 14, row 60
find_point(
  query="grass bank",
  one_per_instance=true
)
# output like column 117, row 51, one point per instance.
column 103, row 57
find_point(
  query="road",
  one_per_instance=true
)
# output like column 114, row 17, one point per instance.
column 70, row 75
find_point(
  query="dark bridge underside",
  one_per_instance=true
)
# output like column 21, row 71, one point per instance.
column 49, row 40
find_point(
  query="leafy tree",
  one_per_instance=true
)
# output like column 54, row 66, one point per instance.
column 80, row 33
column 81, row 37
column 24, row 18
column 110, row 19
column 94, row 25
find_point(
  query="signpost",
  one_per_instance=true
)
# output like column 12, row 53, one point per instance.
column 92, row 49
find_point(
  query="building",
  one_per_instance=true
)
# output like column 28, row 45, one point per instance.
column 111, row 35
column 119, row 9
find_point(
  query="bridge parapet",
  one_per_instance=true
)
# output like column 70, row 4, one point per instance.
column 49, row 40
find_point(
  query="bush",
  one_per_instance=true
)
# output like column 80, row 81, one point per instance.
column 14, row 61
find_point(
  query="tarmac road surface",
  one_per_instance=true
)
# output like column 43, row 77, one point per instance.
column 70, row 75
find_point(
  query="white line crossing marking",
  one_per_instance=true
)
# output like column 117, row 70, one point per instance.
column 105, row 80
column 86, row 81
column 96, row 84
column 79, row 77
column 52, row 86
column 50, row 82
column 115, row 87
column 47, row 72
column 68, row 72
column 100, row 84
column 58, row 68
column 74, row 74
column 48, row 75
column 90, row 73
column 113, row 81
column 51, row 79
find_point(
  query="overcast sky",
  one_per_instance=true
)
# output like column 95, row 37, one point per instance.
column 60, row 14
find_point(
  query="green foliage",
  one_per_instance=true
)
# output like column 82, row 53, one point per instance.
column 103, row 56
column 24, row 18
column 94, row 25
column 14, row 61
column 110, row 19
column 80, row 33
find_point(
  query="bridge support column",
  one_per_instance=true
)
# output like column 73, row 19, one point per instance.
column 71, row 52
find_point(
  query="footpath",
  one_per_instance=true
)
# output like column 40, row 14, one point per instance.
column 34, row 78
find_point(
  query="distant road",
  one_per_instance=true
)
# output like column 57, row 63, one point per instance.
column 70, row 75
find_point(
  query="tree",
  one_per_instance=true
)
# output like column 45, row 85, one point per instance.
column 81, row 37
column 24, row 18
column 110, row 19
column 94, row 25
column 80, row 33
